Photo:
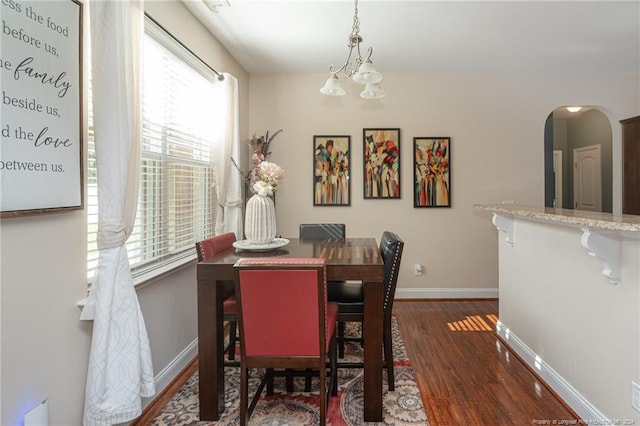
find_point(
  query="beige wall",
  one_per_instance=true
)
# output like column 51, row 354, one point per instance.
column 44, row 346
column 496, row 124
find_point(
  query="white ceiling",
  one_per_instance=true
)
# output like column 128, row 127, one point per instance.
column 304, row 36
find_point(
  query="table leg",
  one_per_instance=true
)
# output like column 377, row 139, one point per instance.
column 373, row 316
column 210, row 350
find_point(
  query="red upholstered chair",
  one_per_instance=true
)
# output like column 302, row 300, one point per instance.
column 208, row 248
column 214, row 245
column 285, row 323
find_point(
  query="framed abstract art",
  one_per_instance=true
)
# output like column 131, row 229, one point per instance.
column 432, row 172
column 331, row 164
column 381, row 161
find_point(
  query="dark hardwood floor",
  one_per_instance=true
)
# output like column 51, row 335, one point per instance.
column 466, row 375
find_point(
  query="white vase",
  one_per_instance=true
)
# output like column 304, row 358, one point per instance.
column 260, row 219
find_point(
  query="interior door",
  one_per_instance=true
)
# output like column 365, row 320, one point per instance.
column 557, row 178
column 631, row 165
column 587, row 187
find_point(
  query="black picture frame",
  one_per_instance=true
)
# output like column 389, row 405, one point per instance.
column 432, row 171
column 331, row 170
column 381, row 163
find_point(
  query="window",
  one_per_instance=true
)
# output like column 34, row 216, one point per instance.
column 177, row 195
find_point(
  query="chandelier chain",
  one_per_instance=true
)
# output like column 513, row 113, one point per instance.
column 354, row 37
column 356, row 66
column 354, row 43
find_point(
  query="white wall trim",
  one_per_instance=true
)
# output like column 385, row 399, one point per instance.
column 171, row 371
column 446, row 293
column 555, row 381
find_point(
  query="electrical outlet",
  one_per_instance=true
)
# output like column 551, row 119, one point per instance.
column 417, row 269
column 635, row 396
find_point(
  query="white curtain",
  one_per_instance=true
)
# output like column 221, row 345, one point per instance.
column 120, row 371
column 229, row 181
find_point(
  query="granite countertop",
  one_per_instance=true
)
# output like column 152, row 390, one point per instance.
column 582, row 218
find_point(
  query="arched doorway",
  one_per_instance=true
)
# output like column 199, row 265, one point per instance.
column 569, row 138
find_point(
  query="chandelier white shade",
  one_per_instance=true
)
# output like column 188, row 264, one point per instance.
column 360, row 69
column 333, row 87
column 372, row 91
column 367, row 74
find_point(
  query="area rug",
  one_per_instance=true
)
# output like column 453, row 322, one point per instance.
column 403, row 406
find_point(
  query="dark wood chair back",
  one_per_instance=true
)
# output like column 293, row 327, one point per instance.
column 391, row 247
column 322, row 231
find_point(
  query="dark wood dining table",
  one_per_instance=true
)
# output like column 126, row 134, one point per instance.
column 347, row 259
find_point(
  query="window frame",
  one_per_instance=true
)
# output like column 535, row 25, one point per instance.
column 206, row 191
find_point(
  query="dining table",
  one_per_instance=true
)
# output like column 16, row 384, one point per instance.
column 346, row 259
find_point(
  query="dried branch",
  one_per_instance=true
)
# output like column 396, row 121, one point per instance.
column 262, row 143
column 245, row 176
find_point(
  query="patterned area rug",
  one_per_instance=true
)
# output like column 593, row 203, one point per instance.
column 400, row 407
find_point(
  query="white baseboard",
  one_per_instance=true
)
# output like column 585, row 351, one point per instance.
column 167, row 374
column 555, row 381
column 446, row 293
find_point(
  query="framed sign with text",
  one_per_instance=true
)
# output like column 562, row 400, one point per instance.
column 41, row 168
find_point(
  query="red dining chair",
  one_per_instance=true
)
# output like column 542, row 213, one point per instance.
column 206, row 249
column 276, row 294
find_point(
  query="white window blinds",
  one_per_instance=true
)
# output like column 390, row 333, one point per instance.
column 177, row 199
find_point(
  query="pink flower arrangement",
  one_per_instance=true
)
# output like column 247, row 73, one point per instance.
column 265, row 176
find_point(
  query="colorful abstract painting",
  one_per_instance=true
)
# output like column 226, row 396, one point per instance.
column 381, row 163
column 432, row 172
column 331, row 157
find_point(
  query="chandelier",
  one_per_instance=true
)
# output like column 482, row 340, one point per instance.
column 360, row 69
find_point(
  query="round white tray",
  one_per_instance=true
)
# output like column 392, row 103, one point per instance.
column 272, row 245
